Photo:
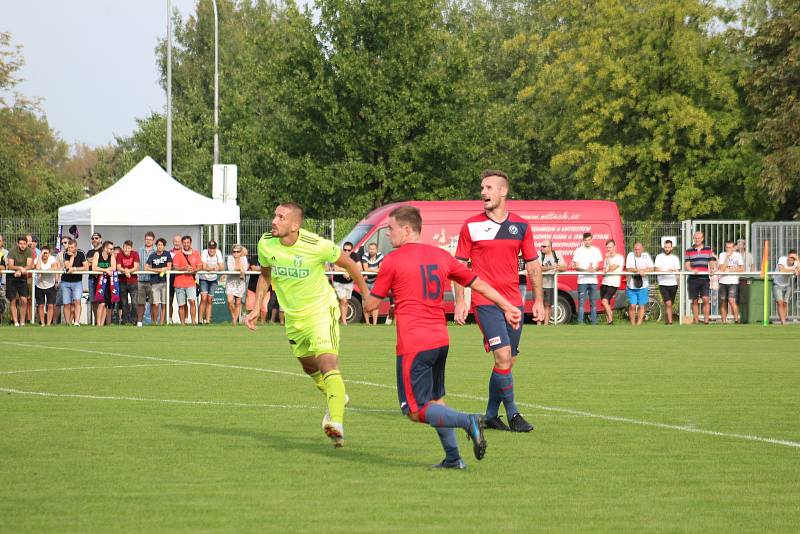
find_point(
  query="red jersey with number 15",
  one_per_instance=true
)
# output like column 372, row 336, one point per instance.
column 418, row 275
column 493, row 248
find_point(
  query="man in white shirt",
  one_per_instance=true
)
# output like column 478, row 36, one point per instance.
column 640, row 263
column 587, row 258
column 613, row 262
column 781, row 283
column 729, row 261
column 212, row 261
column 668, row 283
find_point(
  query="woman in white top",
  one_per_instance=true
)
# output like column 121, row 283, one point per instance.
column 613, row 262
column 235, row 285
column 46, row 285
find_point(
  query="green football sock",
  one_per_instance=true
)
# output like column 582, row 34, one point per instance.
column 334, row 390
column 316, row 376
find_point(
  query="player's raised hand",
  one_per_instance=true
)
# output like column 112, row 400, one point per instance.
column 513, row 317
column 460, row 313
column 251, row 318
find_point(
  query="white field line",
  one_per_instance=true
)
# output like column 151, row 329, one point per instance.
column 54, row 369
column 566, row 411
column 178, row 401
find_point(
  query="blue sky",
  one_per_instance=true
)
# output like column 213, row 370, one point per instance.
column 92, row 62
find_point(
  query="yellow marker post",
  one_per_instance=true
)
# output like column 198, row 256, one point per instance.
column 764, row 264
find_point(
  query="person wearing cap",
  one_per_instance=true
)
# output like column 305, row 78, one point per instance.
column 212, row 261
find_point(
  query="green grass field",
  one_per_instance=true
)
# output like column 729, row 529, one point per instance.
column 692, row 428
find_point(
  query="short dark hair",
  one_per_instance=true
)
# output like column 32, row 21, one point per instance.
column 150, row 234
column 730, row 242
column 71, row 241
column 667, row 241
column 610, row 242
column 45, row 247
column 587, row 235
column 162, row 241
column 184, row 238
column 346, row 243
column 294, row 206
column 792, row 251
column 493, row 172
column 22, row 238
column 408, row 215
column 128, row 242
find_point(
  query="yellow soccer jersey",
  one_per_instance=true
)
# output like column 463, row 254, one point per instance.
column 298, row 272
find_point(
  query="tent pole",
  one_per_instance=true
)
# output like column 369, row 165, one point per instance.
column 238, row 233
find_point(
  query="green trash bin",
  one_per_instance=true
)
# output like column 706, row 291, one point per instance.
column 219, row 306
column 753, row 309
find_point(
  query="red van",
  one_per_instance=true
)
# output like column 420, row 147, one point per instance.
column 562, row 221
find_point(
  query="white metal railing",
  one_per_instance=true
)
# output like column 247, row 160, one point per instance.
column 682, row 278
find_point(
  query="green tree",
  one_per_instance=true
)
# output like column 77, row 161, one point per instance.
column 773, row 89
column 640, row 102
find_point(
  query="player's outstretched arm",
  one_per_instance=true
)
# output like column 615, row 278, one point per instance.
column 262, row 289
column 511, row 312
column 350, row 266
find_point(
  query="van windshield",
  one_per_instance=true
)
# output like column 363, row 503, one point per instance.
column 357, row 234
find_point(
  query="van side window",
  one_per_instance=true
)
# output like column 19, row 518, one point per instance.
column 380, row 237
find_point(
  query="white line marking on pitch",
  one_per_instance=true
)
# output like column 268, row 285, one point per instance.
column 567, row 411
column 45, row 370
column 178, row 401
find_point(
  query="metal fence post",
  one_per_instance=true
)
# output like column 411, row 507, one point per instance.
column 555, row 295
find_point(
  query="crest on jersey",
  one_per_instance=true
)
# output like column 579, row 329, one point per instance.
column 513, row 230
column 298, row 261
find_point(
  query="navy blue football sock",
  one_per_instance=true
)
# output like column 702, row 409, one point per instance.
column 506, row 383
column 495, row 394
column 449, row 443
column 439, row 415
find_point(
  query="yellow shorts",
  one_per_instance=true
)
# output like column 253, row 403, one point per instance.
column 316, row 334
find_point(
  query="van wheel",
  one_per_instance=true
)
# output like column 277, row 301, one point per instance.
column 355, row 312
column 562, row 313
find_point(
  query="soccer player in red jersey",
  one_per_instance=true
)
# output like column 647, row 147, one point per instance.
column 492, row 241
column 418, row 275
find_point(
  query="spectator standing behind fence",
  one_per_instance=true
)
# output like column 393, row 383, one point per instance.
column 371, row 264
column 97, row 244
column 46, row 286
column 104, row 262
column 176, row 248
column 144, row 291
column 128, row 262
column 781, row 283
column 33, row 244
column 59, row 255
column 666, row 261
column 188, row 261
column 159, row 262
column 20, row 260
column 638, row 285
column 212, row 261
column 342, row 283
column 3, row 266
column 235, row 284
column 587, row 258
column 730, row 261
column 699, row 259
column 551, row 263
column 74, row 262
column 612, row 263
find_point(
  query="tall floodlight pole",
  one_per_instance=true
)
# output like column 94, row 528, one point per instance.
column 169, row 87
column 216, row 84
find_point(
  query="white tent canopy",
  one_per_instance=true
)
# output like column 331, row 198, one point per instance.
column 148, row 196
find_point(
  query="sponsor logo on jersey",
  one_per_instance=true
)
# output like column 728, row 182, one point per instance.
column 494, row 341
column 290, row 272
column 298, row 261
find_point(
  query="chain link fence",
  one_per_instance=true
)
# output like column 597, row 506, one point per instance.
column 43, row 228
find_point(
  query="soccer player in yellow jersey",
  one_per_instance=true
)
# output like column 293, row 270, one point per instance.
column 293, row 261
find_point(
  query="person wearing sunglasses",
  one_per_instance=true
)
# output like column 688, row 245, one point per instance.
column 342, row 282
